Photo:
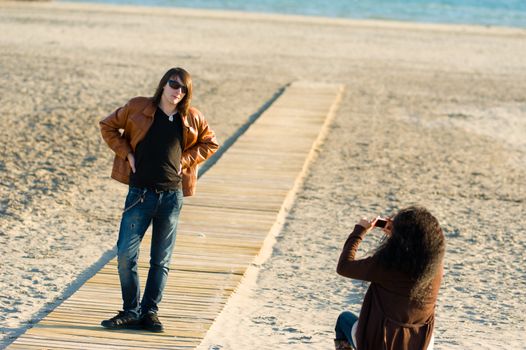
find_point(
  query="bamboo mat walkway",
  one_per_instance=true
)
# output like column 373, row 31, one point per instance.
column 240, row 201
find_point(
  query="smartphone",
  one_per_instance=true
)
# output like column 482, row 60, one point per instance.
column 380, row 222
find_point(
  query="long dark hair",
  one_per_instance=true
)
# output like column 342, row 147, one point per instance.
column 184, row 105
column 416, row 247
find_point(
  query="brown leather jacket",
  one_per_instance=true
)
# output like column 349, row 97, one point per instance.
column 135, row 119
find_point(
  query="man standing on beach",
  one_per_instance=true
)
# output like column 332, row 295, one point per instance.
column 163, row 141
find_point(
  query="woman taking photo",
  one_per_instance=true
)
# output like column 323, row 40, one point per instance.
column 405, row 274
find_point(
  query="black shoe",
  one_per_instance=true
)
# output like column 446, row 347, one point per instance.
column 150, row 322
column 122, row 320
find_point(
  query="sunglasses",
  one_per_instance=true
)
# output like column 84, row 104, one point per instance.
column 174, row 84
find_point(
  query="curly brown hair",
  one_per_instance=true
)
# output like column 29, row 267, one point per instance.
column 416, row 247
column 184, row 105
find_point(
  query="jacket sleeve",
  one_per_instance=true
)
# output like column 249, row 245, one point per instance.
column 363, row 269
column 110, row 128
column 205, row 146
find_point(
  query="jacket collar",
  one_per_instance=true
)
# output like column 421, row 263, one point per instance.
column 149, row 111
column 185, row 121
column 151, row 108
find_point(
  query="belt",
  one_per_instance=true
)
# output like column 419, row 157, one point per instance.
column 154, row 189
column 158, row 191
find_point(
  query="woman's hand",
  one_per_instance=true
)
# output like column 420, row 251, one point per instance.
column 388, row 227
column 366, row 223
column 370, row 224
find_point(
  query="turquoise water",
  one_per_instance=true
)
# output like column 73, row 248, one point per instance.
column 510, row 13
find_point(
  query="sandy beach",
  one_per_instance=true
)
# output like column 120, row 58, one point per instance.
column 432, row 115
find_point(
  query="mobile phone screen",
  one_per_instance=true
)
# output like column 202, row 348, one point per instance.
column 380, row 223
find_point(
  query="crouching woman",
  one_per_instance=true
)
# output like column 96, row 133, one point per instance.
column 405, row 273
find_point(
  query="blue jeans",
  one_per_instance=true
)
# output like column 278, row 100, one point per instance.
column 344, row 326
column 142, row 207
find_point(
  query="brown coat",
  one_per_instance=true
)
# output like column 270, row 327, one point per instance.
column 135, row 119
column 389, row 320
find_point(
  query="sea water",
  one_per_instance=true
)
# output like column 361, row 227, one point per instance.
column 509, row 13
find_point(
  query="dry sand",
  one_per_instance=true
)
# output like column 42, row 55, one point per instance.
column 432, row 114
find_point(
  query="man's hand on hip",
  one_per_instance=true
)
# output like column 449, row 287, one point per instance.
column 131, row 160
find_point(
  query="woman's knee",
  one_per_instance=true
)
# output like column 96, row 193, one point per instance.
column 346, row 319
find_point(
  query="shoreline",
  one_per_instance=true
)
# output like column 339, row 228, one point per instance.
column 292, row 16
column 277, row 17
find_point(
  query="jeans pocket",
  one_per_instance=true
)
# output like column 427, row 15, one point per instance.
column 176, row 200
column 134, row 197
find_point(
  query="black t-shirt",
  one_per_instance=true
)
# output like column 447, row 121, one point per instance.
column 158, row 155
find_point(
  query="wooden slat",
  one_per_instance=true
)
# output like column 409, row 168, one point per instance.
column 221, row 231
